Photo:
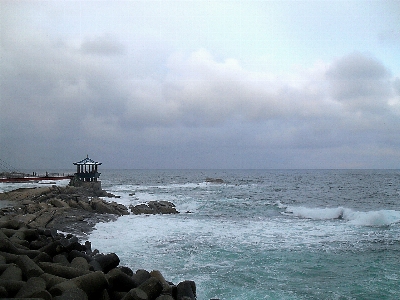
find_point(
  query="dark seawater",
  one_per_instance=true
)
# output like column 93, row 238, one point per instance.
column 263, row 234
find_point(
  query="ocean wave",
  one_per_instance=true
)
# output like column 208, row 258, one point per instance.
column 368, row 218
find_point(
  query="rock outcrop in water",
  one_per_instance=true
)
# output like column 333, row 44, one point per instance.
column 44, row 264
column 214, row 180
column 74, row 209
column 154, row 207
column 70, row 209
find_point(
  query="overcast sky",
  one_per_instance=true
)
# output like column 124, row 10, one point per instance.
column 200, row 84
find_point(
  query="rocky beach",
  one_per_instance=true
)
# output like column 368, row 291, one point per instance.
column 42, row 255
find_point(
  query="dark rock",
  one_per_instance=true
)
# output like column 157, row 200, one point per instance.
column 165, row 297
column 75, row 253
column 33, row 286
column 92, row 284
column 214, row 180
column 163, row 207
column 3, row 266
column 7, row 246
column 44, row 295
column 58, row 203
column 154, row 207
column 48, row 232
column 11, row 224
column 72, row 244
column 166, row 287
column 80, row 263
column 72, row 294
column 186, row 289
column 9, row 257
column 88, row 246
column 136, row 294
column 11, row 286
column 61, row 271
column 53, row 248
column 41, row 242
column 52, row 280
column 107, row 261
column 119, row 281
column 42, row 257
column 141, row 209
column 3, row 292
column 103, row 207
column 126, row 270
column 12, row 272
column 61, row 259
column 28, row 266
column 115, row 295
column 152, row 287
column 140, row 276
column 95, row 266
column 39, row 262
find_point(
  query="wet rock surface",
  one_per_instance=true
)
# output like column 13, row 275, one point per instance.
column 70, row 209
column 38, row 261
column 73, row 209
column 154, row 207
column 44, row 264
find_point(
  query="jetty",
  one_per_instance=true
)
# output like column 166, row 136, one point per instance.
column 39, row 260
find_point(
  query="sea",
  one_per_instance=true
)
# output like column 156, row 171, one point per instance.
column 261, row 234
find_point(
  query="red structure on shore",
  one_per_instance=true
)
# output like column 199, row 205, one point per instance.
column 34, row 178
column 86, row 169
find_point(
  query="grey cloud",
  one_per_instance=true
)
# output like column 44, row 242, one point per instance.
column 357, row 66
column 102, row 45
column 60, row 100
column 49, row 88
column 396, row 85
column 208, row 92
column 360, row 82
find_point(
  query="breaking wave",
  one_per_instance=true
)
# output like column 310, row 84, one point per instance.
column 368, row 218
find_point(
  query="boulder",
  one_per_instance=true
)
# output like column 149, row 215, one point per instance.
column 58, row 203
column 104, row 207
column 107, row 262
column 33, row 287
column 214, row 180
column 92, row 284
column 62, row 271
column 154, row 207
column 38, row 262
column 186, row 290
column 152, row 287
column 12, row 272
column 119, row 281
column 28, row 266
column 163, row 207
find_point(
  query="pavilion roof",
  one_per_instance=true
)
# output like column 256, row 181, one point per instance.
column 87, row 161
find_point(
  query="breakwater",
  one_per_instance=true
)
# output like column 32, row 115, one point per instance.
column 38, row 261
column 41, row 263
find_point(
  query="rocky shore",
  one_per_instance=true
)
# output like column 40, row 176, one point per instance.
column 38, row 260
column 72, row 209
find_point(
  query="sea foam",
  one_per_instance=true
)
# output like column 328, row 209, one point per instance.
column 369, row 218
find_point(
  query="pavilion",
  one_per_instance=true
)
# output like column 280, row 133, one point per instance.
column 86, row 169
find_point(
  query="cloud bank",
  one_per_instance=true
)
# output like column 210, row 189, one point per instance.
column 190, row 109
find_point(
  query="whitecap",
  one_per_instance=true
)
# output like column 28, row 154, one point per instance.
column 316, row 213
column 373, row 218
column 369, row 218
